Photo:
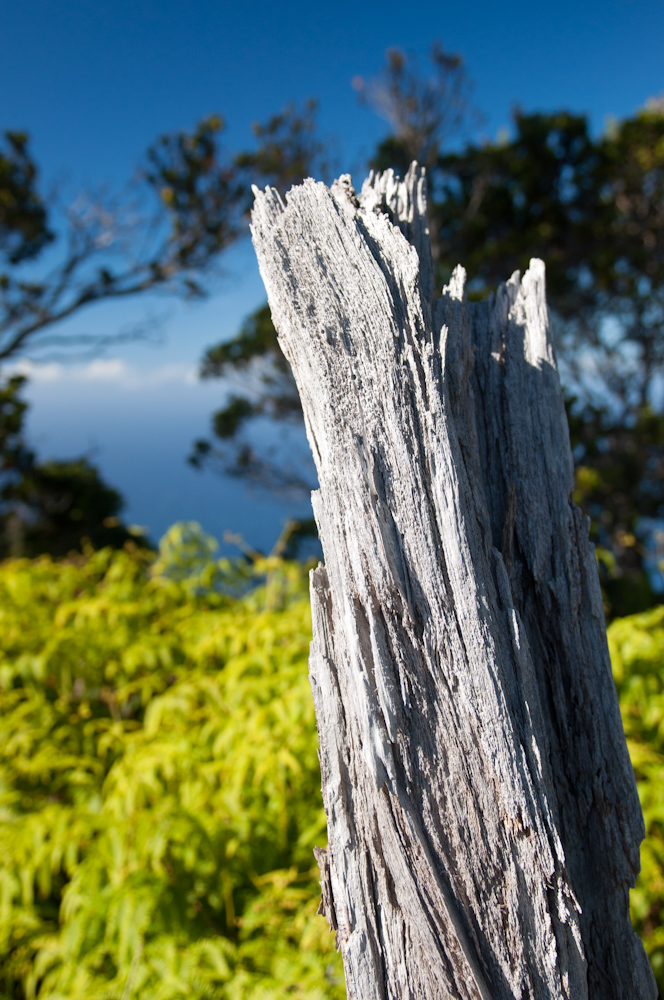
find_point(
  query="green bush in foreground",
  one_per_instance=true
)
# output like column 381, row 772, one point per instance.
column 637, row 655
column 159, row 784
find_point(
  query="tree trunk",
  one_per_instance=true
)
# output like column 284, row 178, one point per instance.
column 483, row 820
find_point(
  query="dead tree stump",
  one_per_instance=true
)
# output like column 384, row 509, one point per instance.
column 483, row 821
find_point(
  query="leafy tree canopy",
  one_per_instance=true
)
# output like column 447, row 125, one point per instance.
column 165, row 236
column 23, row 216
column 168, row 234
column 267, row 390
column 424, row 108
column 593, row 209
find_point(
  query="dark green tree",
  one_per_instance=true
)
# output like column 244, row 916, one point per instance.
column 593, row 209
column 619, row 479
column 288, row 150
column 59, row 507
column 106, row 251
column 24, row 230
column 168, row 235
column 267, row 391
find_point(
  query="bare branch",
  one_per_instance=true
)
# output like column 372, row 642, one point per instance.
column 423, row 111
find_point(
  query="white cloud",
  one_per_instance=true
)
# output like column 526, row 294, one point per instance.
column 50, row 372
column 110, row 370
column 106, row 370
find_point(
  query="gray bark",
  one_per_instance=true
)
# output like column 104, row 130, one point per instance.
column 483, row 821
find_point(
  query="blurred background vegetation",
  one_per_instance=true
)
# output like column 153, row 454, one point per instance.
column 158, row 773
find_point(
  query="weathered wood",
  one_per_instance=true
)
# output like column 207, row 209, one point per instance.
column 483, row 821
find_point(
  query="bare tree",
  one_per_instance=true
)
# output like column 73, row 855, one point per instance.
column 423, row 111
column 168, row 233
column 165, row 235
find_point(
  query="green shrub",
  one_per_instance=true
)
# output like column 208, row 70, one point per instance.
column 159, row 783
column 637, row 655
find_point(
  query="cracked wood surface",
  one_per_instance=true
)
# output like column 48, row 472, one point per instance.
column 483, row 821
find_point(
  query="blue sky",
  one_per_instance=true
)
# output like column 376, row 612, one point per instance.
column 95, row 83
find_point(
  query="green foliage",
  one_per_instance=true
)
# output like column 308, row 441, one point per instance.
column 537, row 195
column 256, row 338
column 15, row 456
column 61, row 506
column 23, row 218
column 287, row 150
column 637, row 654
column 159, row 784
column 187, row 556
column 593, row 209
column 619, row 481
column 202, row 197
column 255, row 355
column 189, row 207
